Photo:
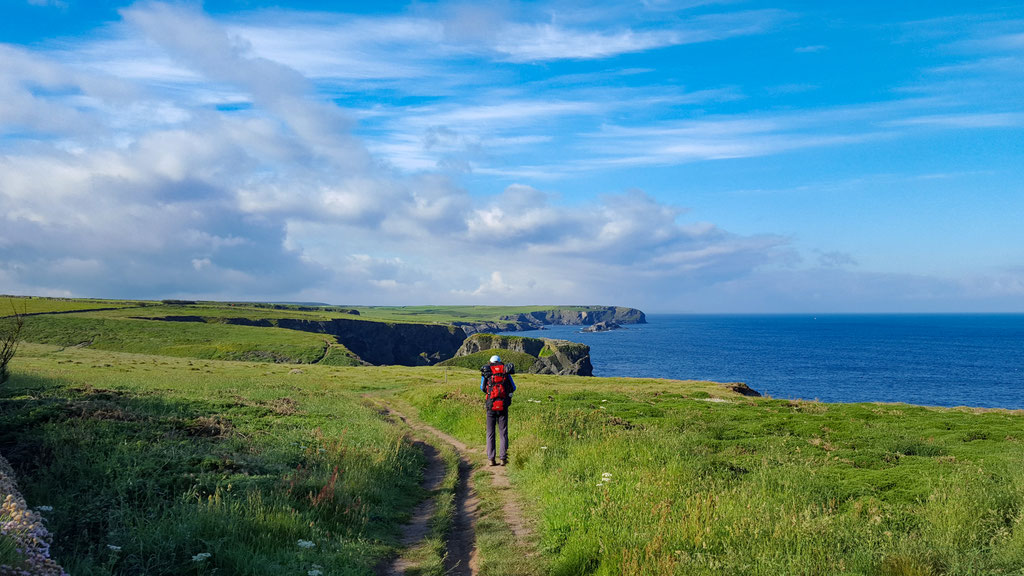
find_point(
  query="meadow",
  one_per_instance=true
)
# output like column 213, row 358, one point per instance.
column 657, row 477
column 157, row 456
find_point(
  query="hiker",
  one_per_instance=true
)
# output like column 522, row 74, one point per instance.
column 497, row 385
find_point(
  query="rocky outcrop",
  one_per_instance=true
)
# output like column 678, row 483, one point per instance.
column 559, row 357
column 567, row 359
column 575, row 316
column 742, row 388
column 602, row 327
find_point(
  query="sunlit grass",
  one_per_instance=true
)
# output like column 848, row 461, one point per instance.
column 634, row 477
column 182, row 339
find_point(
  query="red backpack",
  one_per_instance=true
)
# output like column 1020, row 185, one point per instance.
column 496, row 392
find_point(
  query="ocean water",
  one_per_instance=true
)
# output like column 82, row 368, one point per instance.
column 932, row 360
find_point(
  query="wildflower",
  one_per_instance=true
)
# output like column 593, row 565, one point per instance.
column 543, row 447
column 45, row 508
column 315, row 572
column 23, row 528
column 606, row 477
column 603, row 400
column 306, row 544
column 201, row 557
column 114, row 547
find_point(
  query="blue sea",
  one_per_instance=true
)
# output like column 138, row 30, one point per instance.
column 932, row 360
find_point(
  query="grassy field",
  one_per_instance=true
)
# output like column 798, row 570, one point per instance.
column 651, row 477
column 38, row 305
column 182, row 339
column 448, row 314
column 150, row 461
column 253, row 310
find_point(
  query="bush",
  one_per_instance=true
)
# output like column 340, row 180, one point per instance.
column 10, row 331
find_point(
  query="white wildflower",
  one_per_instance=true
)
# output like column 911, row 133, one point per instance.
column 114, row 547
column 315, row 572
column 201, row 557
column 306, row 544
column 543, row 447
column 45, row 508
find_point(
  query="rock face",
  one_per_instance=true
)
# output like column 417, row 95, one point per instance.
column 379, row 342
column 558, row 316
column 568, row 359
column 559, row 357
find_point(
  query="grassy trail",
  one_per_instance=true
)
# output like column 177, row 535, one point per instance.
column 483, row 498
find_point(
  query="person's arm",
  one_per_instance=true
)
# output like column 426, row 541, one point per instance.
column 513, row 383
column 483, row 381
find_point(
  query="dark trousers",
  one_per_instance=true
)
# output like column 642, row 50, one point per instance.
column 501, row 419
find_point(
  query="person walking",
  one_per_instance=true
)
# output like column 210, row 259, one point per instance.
column 497, row 385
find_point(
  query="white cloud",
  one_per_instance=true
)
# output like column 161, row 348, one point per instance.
column 133, row 182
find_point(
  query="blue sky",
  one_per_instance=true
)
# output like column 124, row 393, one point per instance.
column 692, row 156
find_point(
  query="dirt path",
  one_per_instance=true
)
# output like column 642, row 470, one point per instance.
column 462, row 558
column 419, row 526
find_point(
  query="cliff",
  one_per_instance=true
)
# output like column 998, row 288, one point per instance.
column 557, row 316
column 379, row 342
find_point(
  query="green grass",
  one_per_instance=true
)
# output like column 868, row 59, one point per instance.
column 181, row 339
column 167, row 458
column 214, row 311
column 255, row 310
column 338, row 355
column 41, row 305
column 754, row 486
column 448, row 314
column 522, row 361
column 393, row 314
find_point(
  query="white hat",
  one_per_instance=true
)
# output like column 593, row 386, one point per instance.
column 495, row 359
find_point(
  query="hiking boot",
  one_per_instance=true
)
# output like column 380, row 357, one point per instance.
column 504, row 461
column 493, row 463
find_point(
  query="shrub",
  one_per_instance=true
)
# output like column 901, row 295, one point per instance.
column 10, row 331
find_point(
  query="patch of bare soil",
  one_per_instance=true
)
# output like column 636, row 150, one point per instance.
column 419, row 526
